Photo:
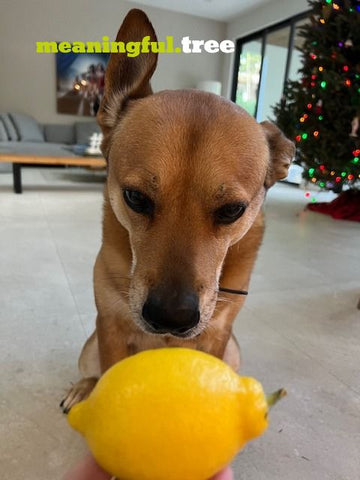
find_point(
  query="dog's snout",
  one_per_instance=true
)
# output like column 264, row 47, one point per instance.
column 175, row 313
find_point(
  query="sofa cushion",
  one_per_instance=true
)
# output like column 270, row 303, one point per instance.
column 3, row 133
column 56, row 133
column 27, row 128
column 9, row 127
column 84, row 130
column 37, row 148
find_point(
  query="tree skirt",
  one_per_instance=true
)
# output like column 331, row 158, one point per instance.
column 345, row 207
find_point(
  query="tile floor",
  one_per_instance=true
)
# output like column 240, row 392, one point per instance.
column 299, row 329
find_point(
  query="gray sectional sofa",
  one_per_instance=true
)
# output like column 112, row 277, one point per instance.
column 22, row 134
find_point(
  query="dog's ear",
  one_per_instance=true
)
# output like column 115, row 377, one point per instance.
column 126, row 78
column 282, row 152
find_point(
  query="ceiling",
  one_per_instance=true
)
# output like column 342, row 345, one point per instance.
column 222, row 10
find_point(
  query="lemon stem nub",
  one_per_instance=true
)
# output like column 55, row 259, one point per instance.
column 273, row 398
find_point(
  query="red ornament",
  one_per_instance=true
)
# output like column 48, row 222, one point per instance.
column 338, row 179
column 345, row 68
column 309, row 106
column 307, row 194
column 322, row 167
column 298, row 138
column 348, row 82
column 350, row 177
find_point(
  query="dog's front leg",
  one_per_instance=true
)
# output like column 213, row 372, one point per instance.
column 114, row 343
column 236, row 274
column 105, row 347
column 89, row 367
column 232, row 354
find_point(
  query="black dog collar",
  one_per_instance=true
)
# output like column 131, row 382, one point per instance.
column 236, row 292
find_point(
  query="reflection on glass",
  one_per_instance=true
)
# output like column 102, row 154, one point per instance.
column 248, row 75
column 296, row 62
column 273, row 72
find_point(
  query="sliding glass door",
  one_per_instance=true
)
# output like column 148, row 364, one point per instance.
column 262, row 64
column 272, row 72
column 249, row 75
column 295, row 63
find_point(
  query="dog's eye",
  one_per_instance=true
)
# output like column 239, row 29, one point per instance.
column 229, row 213
column 138, row 202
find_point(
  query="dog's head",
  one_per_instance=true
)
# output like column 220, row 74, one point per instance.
column 187, row 175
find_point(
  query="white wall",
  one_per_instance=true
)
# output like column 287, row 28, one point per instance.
column 27, row 81
column 255, row 20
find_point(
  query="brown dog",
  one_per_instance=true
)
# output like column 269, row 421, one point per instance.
column 187, row 175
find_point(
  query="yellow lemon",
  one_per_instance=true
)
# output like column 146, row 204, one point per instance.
column 170, row 414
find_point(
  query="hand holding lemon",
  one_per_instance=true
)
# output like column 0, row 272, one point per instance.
column 170, row 414
column 88, row 469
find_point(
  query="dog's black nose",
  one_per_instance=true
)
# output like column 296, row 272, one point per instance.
column 175, row 313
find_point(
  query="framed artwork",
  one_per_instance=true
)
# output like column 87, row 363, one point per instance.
column 80, row 82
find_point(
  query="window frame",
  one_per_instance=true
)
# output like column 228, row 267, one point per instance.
column 262, row 35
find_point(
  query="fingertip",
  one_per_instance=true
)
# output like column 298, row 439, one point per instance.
column 87, row 469
column 226, row 474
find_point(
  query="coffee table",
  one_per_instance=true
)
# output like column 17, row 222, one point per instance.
column 21, row 160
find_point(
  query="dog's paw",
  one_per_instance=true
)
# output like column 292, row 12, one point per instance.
column 78, row 392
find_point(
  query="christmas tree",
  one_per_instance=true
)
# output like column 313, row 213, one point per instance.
column 321, row 112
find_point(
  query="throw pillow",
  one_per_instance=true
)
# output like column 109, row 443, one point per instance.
column 3, row 134
column 11, row 132
column 27, row 128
